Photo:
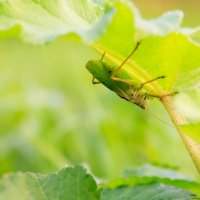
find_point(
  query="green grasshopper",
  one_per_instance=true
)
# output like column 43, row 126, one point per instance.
column 118, row 80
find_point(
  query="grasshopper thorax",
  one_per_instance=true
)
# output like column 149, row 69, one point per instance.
column 134, row 96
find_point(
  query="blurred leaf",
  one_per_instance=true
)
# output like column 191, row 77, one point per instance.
column 192, row 130
column 69, row 184
column 168, row 22
column 188, row 104
column 42, row 21
column 145, row 192
column 195, row 34
column 148, row 174
column 153, row 171
column 39, row 22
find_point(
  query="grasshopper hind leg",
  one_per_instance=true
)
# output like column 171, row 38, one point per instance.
column 121, row 65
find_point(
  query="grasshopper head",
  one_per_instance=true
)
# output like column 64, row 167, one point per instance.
column 99, row 70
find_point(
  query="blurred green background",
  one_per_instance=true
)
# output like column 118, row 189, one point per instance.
column 52, row 116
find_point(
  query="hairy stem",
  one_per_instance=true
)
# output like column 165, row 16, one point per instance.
column 192, row 147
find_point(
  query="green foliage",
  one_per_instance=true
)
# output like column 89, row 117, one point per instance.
column 163, row 51
column 75, row 183
column 153, row 171
column 192, row 130
column 194, row 34
column 149, row 174
column 114, row 28
column 146, row 192
column 188, row 104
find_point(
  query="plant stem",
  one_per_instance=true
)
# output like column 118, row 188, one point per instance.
column 192, row 147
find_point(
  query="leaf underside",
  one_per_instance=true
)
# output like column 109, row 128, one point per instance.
column 39, row 22
column 115, row 29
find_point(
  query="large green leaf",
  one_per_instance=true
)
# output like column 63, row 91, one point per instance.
column 113, row 29
column 146, row 192
column 174, row 56
column 128, row 27
column 39, row 22
column 67, row 184
column 164, row 50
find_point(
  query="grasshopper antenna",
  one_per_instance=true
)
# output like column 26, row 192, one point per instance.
column 153, row 114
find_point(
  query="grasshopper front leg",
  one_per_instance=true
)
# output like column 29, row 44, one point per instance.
column 157, row 78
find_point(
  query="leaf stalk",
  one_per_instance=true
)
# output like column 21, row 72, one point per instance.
column 192, row 147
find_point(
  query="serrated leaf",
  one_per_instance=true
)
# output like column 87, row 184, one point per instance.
column 39, row 22
column 128, row 27
column 121, row 25
column 166, row 23
column 148, row 174
column 67, row 184
column 146, row 192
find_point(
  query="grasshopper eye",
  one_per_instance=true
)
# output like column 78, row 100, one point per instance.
column 110, row 72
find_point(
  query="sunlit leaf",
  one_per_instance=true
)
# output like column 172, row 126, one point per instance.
column 163, row 49
column 174, row 56
column 39, row 22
